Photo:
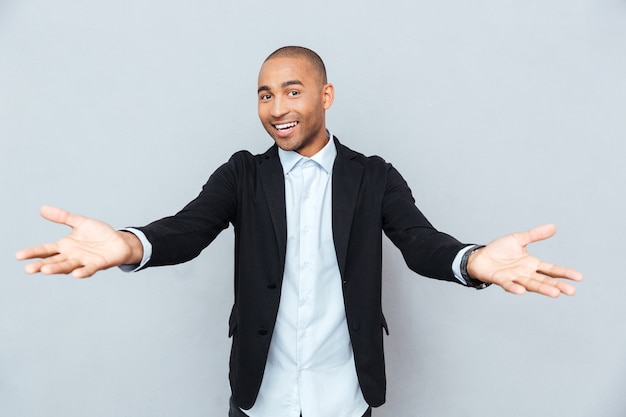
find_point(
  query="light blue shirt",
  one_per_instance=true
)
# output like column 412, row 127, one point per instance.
column 310, row 367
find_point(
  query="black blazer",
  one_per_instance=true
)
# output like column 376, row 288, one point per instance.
column 368, row 197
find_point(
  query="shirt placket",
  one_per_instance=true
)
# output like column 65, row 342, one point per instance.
column 307, row 259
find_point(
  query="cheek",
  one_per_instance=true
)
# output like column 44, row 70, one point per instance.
column 306, row 108
column 262, row 113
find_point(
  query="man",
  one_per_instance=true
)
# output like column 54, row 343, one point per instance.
column 308, row 216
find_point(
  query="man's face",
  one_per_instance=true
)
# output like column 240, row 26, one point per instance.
column 292, row 104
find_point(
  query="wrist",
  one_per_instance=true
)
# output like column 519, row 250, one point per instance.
column 466, row 268
column 135, row 248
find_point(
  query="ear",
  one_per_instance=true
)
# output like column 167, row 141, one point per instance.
column 328, row 95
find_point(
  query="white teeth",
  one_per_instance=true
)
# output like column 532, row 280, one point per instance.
column 285, row 126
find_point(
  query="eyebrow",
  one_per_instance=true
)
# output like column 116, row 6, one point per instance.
column 283, row 85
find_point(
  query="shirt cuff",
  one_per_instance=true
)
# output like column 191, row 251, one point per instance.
column 147, row 250
column 459, row 268
column 456, row 264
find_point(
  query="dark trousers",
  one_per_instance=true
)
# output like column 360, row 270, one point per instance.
column 236, row 411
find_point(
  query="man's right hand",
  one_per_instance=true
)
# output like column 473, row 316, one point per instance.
column 92, row 246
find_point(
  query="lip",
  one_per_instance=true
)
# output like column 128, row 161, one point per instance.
column 285, row 132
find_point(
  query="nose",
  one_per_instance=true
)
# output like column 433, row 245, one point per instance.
column 279, row 107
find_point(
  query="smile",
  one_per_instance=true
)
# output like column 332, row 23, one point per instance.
column 286, row 126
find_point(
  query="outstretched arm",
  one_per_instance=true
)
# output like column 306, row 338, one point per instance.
column 92, row 246
column 505, row 262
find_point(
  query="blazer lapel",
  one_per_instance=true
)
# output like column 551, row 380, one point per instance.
column 346, row 184
column 273, row 181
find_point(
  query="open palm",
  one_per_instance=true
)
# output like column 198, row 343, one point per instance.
column 505, row 262
column 92, row 246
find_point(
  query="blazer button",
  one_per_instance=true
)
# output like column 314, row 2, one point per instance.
column 271, row 286
column 262, row 332
column 355, row 327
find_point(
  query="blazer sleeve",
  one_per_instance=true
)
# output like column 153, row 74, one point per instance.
column 426, row 250
column 179, row 238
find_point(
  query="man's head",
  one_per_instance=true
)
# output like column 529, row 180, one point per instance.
column 300, row 52
column 293, row 96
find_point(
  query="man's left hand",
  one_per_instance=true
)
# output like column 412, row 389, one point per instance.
column 505, row 262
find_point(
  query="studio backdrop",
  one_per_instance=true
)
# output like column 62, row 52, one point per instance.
column 500, row 115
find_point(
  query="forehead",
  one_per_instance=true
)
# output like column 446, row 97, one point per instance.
column 279, row 70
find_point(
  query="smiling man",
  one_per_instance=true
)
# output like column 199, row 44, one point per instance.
column 308, row 215
column 293, row 98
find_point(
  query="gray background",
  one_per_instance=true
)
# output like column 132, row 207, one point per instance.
column 502, row 115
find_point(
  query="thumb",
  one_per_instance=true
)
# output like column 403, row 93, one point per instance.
column 57, row 215
column 536, row 234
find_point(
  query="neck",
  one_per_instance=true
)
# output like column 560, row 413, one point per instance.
column 315, row 146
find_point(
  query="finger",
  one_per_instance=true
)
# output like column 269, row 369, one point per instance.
column 541, row 284
column 556, row 271
column 546, row 285
column 33, row 268
column 64, row 267
column 38, row 266
column 535, row 234
column 85, row 272
column 513, row 287
column 57, row 215
column 58, row 258
column 538, row 283
column 60, row 265
column 42, row 251
column 509, row 285
column 565, row 288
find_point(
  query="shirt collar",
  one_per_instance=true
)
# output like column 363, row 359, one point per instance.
column 325, row 157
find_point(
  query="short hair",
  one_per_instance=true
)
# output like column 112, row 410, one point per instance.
column 301, row 52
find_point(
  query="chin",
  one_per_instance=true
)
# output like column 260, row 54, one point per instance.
column 287, row 144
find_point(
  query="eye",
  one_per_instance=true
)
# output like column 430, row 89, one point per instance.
column 293, row 93
column 265, row 97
